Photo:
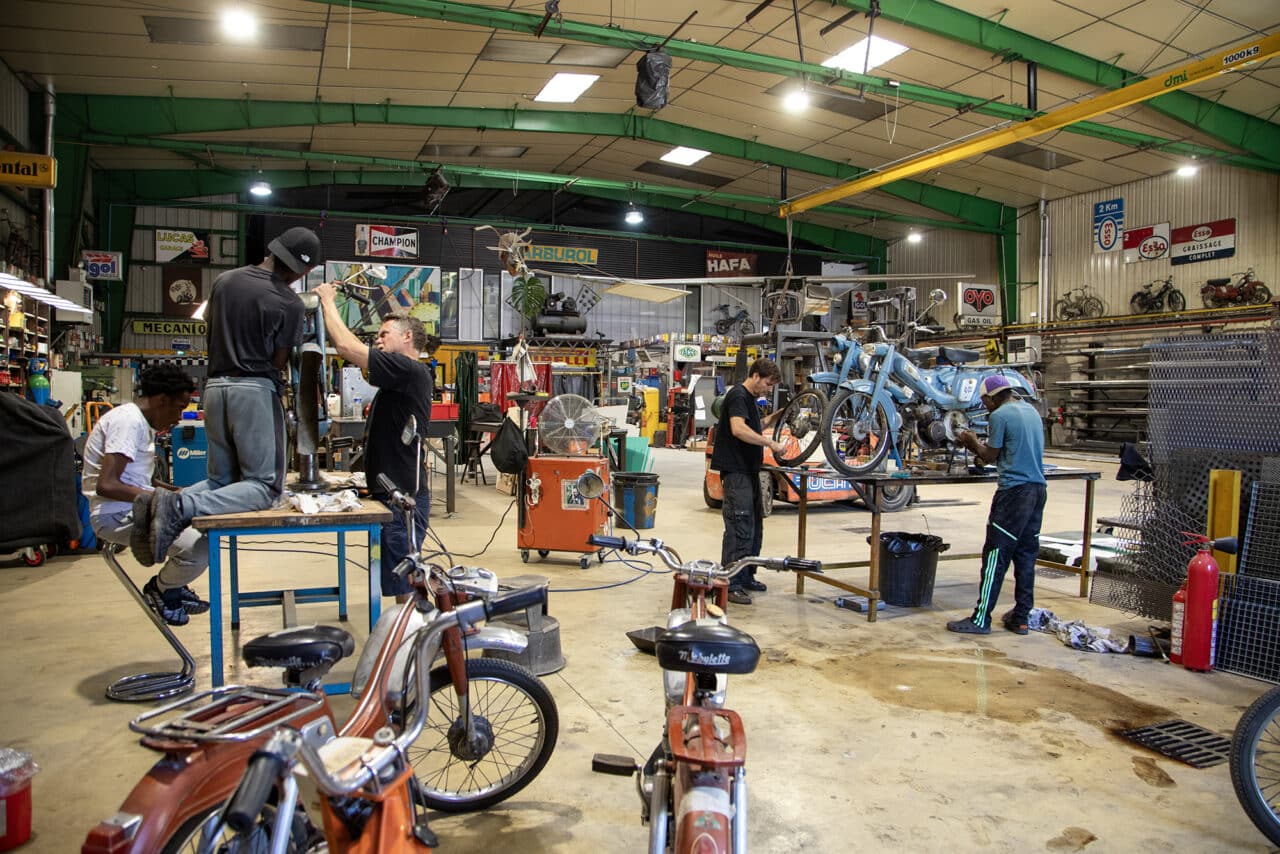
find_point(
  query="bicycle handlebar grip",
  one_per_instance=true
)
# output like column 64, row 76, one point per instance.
column 516, row 600
column 250, row 796
column 607, row 542
column 387, row 485
column 801, row 564
column 403, row 568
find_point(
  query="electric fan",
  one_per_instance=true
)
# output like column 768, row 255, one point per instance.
column 569, row 424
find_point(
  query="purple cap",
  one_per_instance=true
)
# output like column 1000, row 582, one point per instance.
column 992, row 385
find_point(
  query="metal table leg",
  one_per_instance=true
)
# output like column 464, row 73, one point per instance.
column 149, row 686
column 873, row 570
column 1087, row 540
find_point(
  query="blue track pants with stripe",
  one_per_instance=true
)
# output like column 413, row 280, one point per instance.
column 1013, row 535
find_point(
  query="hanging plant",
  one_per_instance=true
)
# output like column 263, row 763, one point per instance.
column 528, row 296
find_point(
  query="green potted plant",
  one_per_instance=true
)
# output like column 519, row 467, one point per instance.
column 528, row 296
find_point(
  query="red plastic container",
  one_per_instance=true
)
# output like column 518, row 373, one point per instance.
column 444, row 412
column 16, row 771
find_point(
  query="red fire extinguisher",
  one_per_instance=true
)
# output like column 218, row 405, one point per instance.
column 1198, row 631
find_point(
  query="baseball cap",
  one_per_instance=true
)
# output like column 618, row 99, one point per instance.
column 298, row 247
column 992, row 385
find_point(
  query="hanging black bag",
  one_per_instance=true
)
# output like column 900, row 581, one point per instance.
column 509, row 452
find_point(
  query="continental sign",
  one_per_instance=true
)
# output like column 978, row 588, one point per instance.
column 169, row 327
column 28, row 170
column 562, row 254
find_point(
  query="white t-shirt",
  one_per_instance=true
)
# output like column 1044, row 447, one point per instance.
column 123, row 430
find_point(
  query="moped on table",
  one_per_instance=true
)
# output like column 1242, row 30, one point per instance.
column 1151, row 300
column 693, row 788
column 1247, row 290
column 797, row 427
column 915, row 412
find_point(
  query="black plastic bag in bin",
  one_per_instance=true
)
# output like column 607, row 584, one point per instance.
column 898, row 543
column 908, row 565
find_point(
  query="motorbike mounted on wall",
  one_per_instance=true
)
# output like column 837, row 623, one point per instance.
column 1247, row 290
column 1151, row 300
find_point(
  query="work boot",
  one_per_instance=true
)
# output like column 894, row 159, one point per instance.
column 167, row 521
column 140, row 542
column 754, row 586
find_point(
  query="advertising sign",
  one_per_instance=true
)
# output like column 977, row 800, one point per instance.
column 181, row 291
column 1204, row 242
column 28, row 170
column 687, row 353
column 1146, row 243
column 386, row 241
column 391, row 289
column 978, row 305
column 722, row 264
column 1108, row 225
column 169, row 327
column 102, row 265
column 562, row 254
column 185, row 246
column 858, row 303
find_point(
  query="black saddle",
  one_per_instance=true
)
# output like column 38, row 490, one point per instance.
column 707, row 648
column 923, row 354
column 959, row 356
column 300, row 649
column 1219, row 282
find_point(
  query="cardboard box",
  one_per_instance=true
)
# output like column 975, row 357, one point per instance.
column 506, row 483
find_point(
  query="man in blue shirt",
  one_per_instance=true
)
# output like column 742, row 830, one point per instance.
column 1015, row 443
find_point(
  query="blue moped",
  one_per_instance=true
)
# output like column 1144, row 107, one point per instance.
column 798, row 425
column 917, row 412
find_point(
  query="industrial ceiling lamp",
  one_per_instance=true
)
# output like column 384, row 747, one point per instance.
column 634, row 215
column 914, row 237
column 1187, row 170
column 260, row 188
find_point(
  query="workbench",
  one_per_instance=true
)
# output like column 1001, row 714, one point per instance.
column 232, row 526
column 799, row 478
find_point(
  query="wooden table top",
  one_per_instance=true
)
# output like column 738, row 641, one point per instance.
column 370, row 511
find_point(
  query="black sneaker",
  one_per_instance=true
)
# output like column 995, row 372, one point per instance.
column 739, row 597
column 167, row 604
column 140, row 535
column 191, row 601
column 167, row 521
column 754, row 586
column 1017, row 625
column 968, row 627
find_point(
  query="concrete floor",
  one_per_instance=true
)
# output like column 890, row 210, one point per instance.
column 895, row 735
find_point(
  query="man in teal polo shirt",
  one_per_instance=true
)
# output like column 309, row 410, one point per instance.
column 1015, row 443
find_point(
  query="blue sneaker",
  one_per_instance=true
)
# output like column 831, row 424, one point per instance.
column 140, row 542
column 167, row 521
column 167, row 604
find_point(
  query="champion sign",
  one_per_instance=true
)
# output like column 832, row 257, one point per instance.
column 389, row 241
column 1204, row 242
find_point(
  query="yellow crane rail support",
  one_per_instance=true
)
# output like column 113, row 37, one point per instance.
column 1257, row 50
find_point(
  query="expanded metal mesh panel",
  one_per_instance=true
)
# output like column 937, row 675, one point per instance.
column 1260, row 556
column 1214, row 404
column 1249, row 627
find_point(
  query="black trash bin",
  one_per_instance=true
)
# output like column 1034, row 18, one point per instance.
column 908, row 565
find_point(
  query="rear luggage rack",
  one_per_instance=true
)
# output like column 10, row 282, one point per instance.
column 230, row 713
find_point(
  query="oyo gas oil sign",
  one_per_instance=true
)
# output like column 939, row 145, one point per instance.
column 978, row 305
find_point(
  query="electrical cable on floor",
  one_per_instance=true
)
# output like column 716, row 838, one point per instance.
column 644, row 569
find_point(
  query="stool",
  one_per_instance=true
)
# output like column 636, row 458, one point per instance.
column 142, row 687
column 473, row 462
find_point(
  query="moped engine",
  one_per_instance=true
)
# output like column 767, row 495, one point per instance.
column 931, row 429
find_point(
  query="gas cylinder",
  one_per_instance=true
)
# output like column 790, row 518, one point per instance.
column 1179, row 624
column 1200, row 620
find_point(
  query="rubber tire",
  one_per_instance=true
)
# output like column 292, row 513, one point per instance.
column 812, row 399
column 187, row 837
column 895, row 497
column 745, row 326
column 1093, row 307
column 1244, row 744
column 1177, row 302
column 1139, row 305
column 524, row 555
column 766, row 494
column 1261, row 295
column 880, row 414
column 33, row 556
column 1064, row 309
column 497, row 671
column 1207, row 297
column 722, row 326
column 543, row 552
column 713, row 503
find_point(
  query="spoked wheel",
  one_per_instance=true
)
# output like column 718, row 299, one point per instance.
column 1261, row 295
column 766, row 494
column 722, row 326
column 896, row 496
column 1177, row 302
column 1139, row 305
column 799, row 427
column 516, row 725
column 1208, row 298
column 1065, row 309
column 855, row 433
column 1255, row 763
column 1093, row 307
column 303, row 835
column 745, row 326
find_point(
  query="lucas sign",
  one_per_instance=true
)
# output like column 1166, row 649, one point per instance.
column 1204, row 242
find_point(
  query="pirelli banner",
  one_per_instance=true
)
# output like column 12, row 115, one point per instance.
column 180, row 328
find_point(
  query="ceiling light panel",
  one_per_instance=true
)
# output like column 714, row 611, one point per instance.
column 856, row 58
column 514, row 50
column 1033, row 155
column 163, row 30
column 680, row 173
column 844, row 103
column 684, row 156
column 590, row 56
column 432, row 151
column 565, row 88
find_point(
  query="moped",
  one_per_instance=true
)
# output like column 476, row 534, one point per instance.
column 1149, row 300
column 797, row 426
column 740, row 318
column 914, row 411
column 1247, row 290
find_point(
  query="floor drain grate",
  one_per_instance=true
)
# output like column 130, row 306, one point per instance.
column 1183, row 741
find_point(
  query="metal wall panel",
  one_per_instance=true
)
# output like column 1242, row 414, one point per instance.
column 946, row 252
column 1216, row 192
column 15, row 107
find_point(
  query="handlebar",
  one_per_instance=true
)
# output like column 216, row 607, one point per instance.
column 397, row 497
column 704, row 568
column 267, row 765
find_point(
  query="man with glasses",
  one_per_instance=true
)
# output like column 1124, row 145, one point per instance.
column 738, row 455
column 404, row 389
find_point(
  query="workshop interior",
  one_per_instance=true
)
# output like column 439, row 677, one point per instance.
column 912, row 365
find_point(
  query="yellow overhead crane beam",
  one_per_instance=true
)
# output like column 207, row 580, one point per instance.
column 1248, row 53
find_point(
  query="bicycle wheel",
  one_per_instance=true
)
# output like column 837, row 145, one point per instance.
column 1260, row 296
column 746, row 327
column 855, row 432
column 1093, row 307
column 1255, row 763
column 722, row 326
column 1177, row 302
column 799, row 427
column 516, row 719
column 1065, row 309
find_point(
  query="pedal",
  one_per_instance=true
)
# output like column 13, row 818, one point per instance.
column 609, row 763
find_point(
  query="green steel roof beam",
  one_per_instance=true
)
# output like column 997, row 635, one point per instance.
column 524, row 22
column 1233, row 127
column 323, row 159
column 125, row 115
column 155, row 185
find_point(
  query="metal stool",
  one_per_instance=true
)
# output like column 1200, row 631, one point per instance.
column 142, row 687
column 473, row 462
column 543, row 655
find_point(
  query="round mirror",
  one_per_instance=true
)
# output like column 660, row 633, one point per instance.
column 590, row 485
column 937, row 296
column 410, row 432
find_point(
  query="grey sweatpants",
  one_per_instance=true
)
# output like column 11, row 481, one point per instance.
column 188, row 556
column 244, row 423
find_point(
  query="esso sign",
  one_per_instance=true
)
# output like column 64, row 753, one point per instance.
column 1153, row 247
column 1204, row 232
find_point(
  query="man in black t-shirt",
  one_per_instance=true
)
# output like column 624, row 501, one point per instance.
column 255, row 319
column 404, row 389
column 738, row 455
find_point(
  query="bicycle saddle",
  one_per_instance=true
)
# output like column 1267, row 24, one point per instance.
column 958, row 356
column 300, row 648
column 923, row 354
column 707, row 648
column 1218, row 282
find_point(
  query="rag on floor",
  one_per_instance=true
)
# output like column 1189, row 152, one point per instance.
column 1075, row 633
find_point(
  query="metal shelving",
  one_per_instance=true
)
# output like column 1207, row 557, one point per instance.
column 1109, row 407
